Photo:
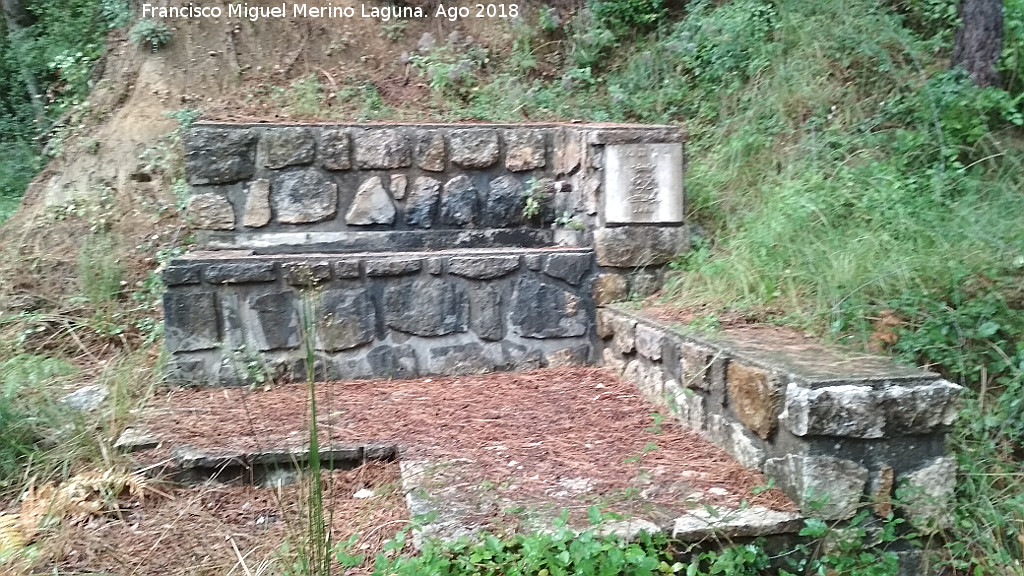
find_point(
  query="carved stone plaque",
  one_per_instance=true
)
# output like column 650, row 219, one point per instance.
column 643, row 183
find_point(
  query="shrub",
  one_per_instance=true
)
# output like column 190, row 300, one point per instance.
column 152, row 32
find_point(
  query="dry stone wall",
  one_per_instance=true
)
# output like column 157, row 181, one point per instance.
column 833, row 431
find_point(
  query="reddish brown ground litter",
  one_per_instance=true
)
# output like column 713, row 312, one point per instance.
column 528, row 430
column 197, row 531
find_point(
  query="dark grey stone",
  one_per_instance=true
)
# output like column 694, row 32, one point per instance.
column 334, row 149
column 380, row 148
column 542, row 310
column 485, row 312
column 393, row 266
column 306, row 273
column 482, row 267
column 474, row 147
column 632, row 246
column 460, row 359
column 434, row 266
column 348, row 319
column 187, row 370
column 430, row 153
column 643, row 284
column 179, row 275
column 426, row 307
column 459, row 202
column 524, row 149
column 421, row 207
column 278, row 317
column 346, row 269
column 568, row 267
column 533, row 261
column 219, row 156
column 240, row 272
column 304, row 195
column 190, row 321
column 504, row 204
column 210, row 211
column 520, row 358
column 288, row 147
column 568, row 357
column 393, row 362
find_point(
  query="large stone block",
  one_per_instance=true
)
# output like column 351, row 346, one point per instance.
column 609, row 288
column 393, row 266
column 755, row 396
column 568, row 357
column 460, row 359
column 190, row 321
column 474, row 147
column 335, row 149
column 921, row 408
column 219, row 156
column 393, row 362
column 306, row 273
column 181, row 274
column 303, row 196
column 421, row 207
column 288, row 147
column 927, row 495
column 460, row 202
column 735, row 439
column 504, row 205
column 696, row 363
column 643, row 183
column 426, row 307
column 485, row 312
column 371, row 205
column 823, row 486
column 430, row 153
column 348, row 319
column 568, row 267
column 846, row 410
column 483, row 267
column 632, row 246
column 278, row 316
column 524, row 149
column 624, row 330
column 383, row 148
column 257, row 204
column 649, row 341
column 240, row 272
column 211, row 211
column 542, row 310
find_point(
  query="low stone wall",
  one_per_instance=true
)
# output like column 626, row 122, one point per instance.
column 237, row 318
column 303, row 188
column 832, row 430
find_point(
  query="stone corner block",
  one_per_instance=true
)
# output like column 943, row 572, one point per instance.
column 632, row 246
column 845, row 410
column 927, row 495
column 755, row 396
column 822, row 486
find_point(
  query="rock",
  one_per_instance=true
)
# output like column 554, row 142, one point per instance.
column 836, row 484
column 346, row 268
column 846, row 410
column 459, row 202
column 371, row 205
column 609, row 288
column 399, row 184
column 393, row 362
column 421, row 208
column 632, row 246
column 382, row 148
column 134, row 439
column 542, row 310
column 430, row 154
column 485, row 312
column 187, row 371
column 520, row 358
column 306, row 273
column 880, row 488
column 927, row 495
column 533, row 261
column 211, row 212
column 482, row 267
column 335, row 149
column 219, row 156
column 755, row 521
column 755, row 397
column 288, row 147
column 474, row 147
column 649, row 341
column 303, row 196
column 240, row 272
column 524, row 149
column 627, row 530
column 568, row 357
column 504, row 205
column 257, row 204
column 695, row 363
column 190, row 321
column 278, row 316
column 569, row 267
column 348, row 319
column 643, row 284
column 690, row 408
column 426, row 43
column 735, row 439
column 568, row 147
column 86, row 398
column 459, row 359
column 393, row 266
column 921, row 408
column 613, row 361
column 426, row 307
column 624, row 340
column 181, row 274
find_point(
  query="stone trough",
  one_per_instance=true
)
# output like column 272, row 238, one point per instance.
column 400, row 251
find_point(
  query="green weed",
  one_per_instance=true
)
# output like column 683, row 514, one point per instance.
column 152, row 32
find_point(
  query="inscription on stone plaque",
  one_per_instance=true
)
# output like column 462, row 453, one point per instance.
column 643, row 183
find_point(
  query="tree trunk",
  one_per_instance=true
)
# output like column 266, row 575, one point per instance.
column 979, row 41
column 17, row 19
